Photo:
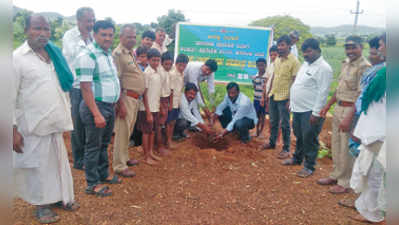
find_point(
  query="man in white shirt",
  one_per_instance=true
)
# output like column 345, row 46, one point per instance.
column 73, row 42
column 294, row 35
column 308, row 95
column 189, row 113
column 236, row 113
column 42, row 114
column 197, row 72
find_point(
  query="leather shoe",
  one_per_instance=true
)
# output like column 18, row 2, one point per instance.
column 132, row 162
column 338, row 189
column 127, row 173
column 326, row 181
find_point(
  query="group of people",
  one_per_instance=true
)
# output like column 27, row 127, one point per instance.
column 95, row 93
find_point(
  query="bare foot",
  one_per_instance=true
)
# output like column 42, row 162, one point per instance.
column 150, row 161
column 152, row 155
column 164, row 152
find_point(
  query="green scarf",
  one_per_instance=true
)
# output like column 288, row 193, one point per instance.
column 64, row 74
column 375, row 90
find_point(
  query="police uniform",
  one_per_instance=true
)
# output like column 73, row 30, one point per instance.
column 133, row 86
column 347, row 92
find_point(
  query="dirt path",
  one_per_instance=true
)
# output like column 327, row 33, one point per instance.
column 239, row 185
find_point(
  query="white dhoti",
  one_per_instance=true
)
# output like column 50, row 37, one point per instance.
column 42, row 173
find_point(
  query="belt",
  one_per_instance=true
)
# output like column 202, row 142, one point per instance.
column 345, row 104
column 132, row 94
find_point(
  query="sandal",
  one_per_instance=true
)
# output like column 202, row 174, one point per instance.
column 45, row 215
column 115, row 180
column 103, row 192
column 72, row 206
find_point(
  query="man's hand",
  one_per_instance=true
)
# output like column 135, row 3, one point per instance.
column 314, row 120
column 324, row 111
column 100, row 121
column 345, row 124
column 207, row 113
column 150, row 118
column 18, row 141
column 287, row 105
column 121, row 112
column 221, row 134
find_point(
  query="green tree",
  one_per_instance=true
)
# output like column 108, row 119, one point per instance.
column 168, row 22
column 283, row 25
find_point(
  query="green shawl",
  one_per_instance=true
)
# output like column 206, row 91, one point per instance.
column 375, row 90
column 62, row 69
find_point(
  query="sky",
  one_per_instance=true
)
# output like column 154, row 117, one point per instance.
column 326, row 13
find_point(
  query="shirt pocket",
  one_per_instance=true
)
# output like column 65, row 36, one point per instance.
column 350, row 80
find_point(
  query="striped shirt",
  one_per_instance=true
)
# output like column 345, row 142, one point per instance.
column 259, row 83
column 97, row 66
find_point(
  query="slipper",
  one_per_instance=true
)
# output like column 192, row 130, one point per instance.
column 114, row 180
column 349, row 203
column 101, row 193
column 361, row 219
column 72, row 206
column 45, row 215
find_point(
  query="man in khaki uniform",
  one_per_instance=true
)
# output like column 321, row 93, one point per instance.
column 132, row 83
column 346, row 94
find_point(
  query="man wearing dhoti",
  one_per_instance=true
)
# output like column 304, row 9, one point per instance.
column 41, row 114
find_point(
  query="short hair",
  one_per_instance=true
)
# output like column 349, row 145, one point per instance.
column 149, row 34
column 232, row 85
column 122, row 30
column 285, row 38
column 182, row 58
column 311, row 43
column 160, row 29
column 153, row 53
column 212, row 64
column 166, row 56
column 103, row 24
column 273, row 48
column 141, row 50
column 190, row 86
column 374, row 42
column 81, row 11
column 28, row 19
column 259, row 60
column 383, row 37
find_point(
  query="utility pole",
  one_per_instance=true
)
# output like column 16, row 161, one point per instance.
column 357, row 13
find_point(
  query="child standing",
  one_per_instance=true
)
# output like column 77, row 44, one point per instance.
column 259, row 82
column 176, row 84
column 141, row 57
column 149, row 109
column 166, row 101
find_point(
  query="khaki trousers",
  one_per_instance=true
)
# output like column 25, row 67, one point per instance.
column 123, row 130
column 342, row 160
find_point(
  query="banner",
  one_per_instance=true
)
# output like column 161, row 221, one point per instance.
column 235, row 49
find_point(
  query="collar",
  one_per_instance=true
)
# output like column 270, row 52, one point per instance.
column 25, row 48
column 101, row 49
column 124, row 50
column 316, row 62
column 238, row 99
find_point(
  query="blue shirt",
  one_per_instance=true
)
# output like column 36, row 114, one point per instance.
column 368, row 76
column 241, row 108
